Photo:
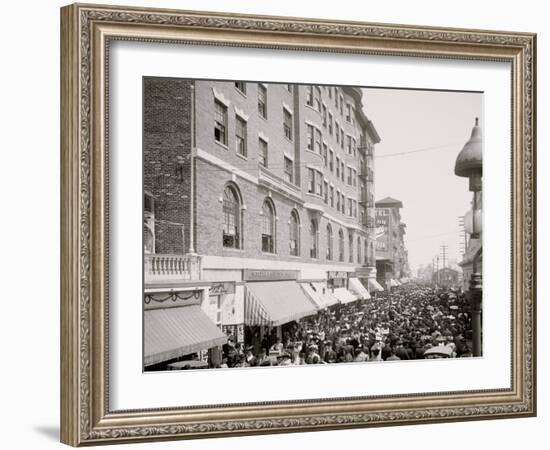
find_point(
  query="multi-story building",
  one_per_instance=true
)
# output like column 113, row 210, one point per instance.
column 266, row 191
column 391, row 255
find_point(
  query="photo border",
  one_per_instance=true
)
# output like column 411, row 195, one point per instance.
column 86, row 31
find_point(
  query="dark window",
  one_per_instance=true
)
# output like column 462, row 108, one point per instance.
column 262, row 101
column 329, row 242
column 220, row 122
column 287, row 123
column 241, row 86
column 314, row 237
column 289, row 170
column 240, row 136
column 350, row 247
column 294, row 234
column 262, row 152
column 232, row 218
column 341, row 245
column 268, row 227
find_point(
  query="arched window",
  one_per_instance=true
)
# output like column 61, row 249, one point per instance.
column 268, row 227
column 366, row 253
column 341, row 245
column 358, row 250
column 314, row 239
column 329, row 242
column 350, row 245
column 231, row 218
column 294, row 233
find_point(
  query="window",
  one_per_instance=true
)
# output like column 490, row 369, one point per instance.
column 358, row 249
column 350, row 207
column 314, row 238
column 311, row 181
column 310, row 137
column 262, row 152
column 350, row 240
column 294, row 233
column 337, row 167
column 325, row 191
column 338, row 200
column 331, row 161
column 332, row 196
column 330, row 123
column 240, row 136
column 343, row 204
column 220, row 122
column 287, row 124
column 318, row 98
column 309, row 96
column 232, row 218
column 241, row 86
column 350, row 175
column 325, row 154
column 354, row 177
column 318, row 144
column 262, row 101
column 342, row 174
column 329, row 91
column 329, row 242
column 342, row 137
column 268, row 227
column 289, row 87
column 349, row 145
column 348, row 112
column 366, row 253
column 324, row 115
column 354, row 146
column 342, row 105
column 341, row 245
column 289, row 170
column 336, row 97
column 337, row 130
column 319, row 183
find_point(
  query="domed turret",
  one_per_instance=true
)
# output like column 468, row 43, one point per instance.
column 469, row 162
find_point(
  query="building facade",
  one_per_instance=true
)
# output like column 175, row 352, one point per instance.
column 257, row 185
column 391, row 254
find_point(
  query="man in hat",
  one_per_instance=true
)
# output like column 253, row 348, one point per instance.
column 361, row 356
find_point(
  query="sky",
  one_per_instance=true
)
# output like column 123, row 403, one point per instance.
column 424, row 131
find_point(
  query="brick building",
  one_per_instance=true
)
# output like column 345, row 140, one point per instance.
column 256, row 189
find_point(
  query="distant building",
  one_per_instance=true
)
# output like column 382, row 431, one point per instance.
column 391, row 255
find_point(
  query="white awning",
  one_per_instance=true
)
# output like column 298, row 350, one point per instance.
column 375, row 285
column 393, row 283
column 319, row 294
column 357, row 288
column 345, row 296
column 172, row 332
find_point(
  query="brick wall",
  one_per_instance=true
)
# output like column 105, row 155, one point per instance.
column 166, row 157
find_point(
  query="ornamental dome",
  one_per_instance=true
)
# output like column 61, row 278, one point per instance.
column 470, row 159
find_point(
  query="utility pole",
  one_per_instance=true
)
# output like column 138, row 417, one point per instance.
column 444, row 254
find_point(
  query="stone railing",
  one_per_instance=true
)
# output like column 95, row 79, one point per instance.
column 163, row 267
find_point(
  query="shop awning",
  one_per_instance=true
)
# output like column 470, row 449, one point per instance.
column 319, row 294
column 375, row 285
column 275, row 303
column 177, row 331
column 393, row 283
column 345, row 296
column 357, row 288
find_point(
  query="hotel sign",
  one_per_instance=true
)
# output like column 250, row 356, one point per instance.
column 269, row 275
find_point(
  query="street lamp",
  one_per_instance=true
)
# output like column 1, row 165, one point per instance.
column 469, row 164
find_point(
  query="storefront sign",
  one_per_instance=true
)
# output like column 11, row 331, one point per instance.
column 333, row 275
column 222, row 288
column 269, row 275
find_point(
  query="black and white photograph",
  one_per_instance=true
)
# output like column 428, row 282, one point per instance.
column 292, row 224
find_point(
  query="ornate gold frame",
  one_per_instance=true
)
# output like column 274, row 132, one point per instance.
column 85, row 33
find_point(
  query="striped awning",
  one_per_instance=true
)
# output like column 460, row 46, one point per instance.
column 177, row 331
column 357, row 288
column 345, row 296
column 319, row 294
column 275, row 303
column 375, row 285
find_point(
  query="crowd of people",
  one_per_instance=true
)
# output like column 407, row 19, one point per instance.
column 410, row 322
